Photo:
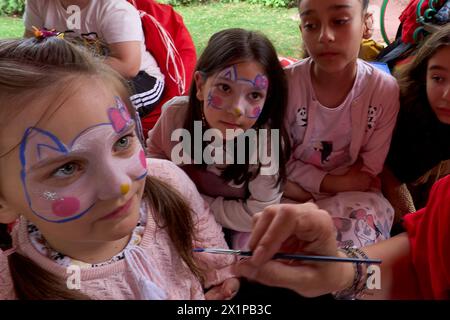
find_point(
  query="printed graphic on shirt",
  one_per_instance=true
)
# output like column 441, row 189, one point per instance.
column 322, row 154
column 372, row 117
column 302, row 117
column 363, row 225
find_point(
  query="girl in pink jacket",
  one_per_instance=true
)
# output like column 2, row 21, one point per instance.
column 341, row 114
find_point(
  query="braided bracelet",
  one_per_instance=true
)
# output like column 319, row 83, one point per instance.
column 360, row 278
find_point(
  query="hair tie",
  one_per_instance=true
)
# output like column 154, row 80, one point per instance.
column 45, row 33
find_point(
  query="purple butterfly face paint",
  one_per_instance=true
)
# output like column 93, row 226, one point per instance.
column 230, row 91
column 63, row 182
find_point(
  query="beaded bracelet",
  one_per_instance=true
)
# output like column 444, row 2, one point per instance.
column 360, row 278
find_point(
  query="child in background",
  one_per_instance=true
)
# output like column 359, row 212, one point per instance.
column 239, row 86
column 113, row 24
column 341, row 113
column 76, row 176
column 420, row 149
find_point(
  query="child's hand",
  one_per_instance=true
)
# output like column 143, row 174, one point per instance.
column 353, row 180
column 295, row 192
column 292, row 229
column 224, row 291
column 357, row 180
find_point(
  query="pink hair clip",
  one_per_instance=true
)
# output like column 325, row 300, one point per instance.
column 44, row 33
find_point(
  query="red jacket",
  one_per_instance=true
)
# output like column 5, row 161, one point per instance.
column 429, row 233
column 169, row 42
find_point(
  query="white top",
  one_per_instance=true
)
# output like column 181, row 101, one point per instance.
column 331, row 131
column 113, row 20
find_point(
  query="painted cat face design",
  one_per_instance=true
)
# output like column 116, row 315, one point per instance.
column 230, row 91
column 63, row 182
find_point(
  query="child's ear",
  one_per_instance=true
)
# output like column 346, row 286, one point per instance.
column 7, row 215
column 368, row 26
column 199, row 79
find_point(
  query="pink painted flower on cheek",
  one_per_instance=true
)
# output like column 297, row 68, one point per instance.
column 255, row 112
column 215, row 101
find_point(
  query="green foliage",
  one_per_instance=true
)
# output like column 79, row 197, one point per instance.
column 12, row 7
column 268, row 3
column 274, row 3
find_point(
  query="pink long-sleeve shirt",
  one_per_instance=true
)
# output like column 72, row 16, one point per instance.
column 155, row 257
column 373, row 109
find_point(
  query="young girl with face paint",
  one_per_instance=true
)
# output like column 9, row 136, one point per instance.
column 97, row 220
column 341, row 114
column 239, row 88
column 420, row 149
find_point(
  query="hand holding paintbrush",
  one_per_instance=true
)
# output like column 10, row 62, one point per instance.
column 291, row 229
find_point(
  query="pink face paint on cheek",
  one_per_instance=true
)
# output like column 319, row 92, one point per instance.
column 255, row 112
column 143, row 159
column 66, row 207
column 215, row 101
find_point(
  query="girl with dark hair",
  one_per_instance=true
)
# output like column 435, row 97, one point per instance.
column 420, row 148
column 96, row 219
column 341, row 114
column 238, row 97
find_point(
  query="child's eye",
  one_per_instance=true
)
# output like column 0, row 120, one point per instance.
column 224, row 87
column 67, row 170
column 309, row 26
column 341, row 21
column 123, row 143
column 437, row 79
column 255, row 96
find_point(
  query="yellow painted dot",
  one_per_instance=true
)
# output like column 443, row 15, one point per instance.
column 124, row 188
column 237, row 112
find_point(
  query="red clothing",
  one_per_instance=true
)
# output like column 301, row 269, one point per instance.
column 409, row 20
column 170, row 43
column 429, row 233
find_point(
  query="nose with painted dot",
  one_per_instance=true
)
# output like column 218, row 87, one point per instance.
column 237, row 112
column 124, row 188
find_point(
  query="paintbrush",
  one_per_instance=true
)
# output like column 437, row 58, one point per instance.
column 289, row 256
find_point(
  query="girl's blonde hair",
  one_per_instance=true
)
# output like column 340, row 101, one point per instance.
column 30, row 68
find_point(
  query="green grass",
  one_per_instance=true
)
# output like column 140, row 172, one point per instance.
column 204, row 20
column 277, row 24
column 11, row 27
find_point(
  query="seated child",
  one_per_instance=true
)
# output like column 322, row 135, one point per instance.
column 239, row 92
column 87, row 199
column 341, row 114
column 115, row 26
column 420, row 149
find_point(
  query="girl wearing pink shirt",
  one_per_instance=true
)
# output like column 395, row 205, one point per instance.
column 341, row 114
column 96, row 219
